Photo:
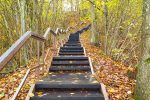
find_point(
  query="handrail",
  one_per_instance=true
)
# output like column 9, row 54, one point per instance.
column 10, row 53
column 7, row 56
column 57, row 31
column 46, row 33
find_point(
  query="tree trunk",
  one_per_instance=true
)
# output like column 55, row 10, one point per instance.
column 22, row 11
column 106, row 27
column 23, row 28
column 143, row 76
column 94, row 33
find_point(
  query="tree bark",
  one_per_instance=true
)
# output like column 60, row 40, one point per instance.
column 143, row 76
column 106, row 27
column 22, row 11
column 94, row 33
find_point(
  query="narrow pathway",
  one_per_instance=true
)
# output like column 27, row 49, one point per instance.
column 70, row 76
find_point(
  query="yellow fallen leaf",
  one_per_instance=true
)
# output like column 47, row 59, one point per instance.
column 31, row 94
column 129, row 92
column 40, row 93
column 94, row 82
column 111, row 90
column 72, row 93
column 70, row 62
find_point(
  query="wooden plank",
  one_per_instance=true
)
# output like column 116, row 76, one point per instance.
column 84, row 51
column 46, row 54
column 9, row 54
column 38, row 37
column 58, row 51
column 46, row 33
column 43, row 54
column 23, row 81
column 103, row 89
column 32, row 89
column 92, row 70
column 21, row 84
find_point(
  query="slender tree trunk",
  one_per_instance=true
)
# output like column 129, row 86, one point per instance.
column 22, row 4
column 143, row 77
column 94, row 33
column 72, row 5
column 106, row 27
column 22, row 11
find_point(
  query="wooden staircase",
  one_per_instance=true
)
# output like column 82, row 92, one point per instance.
column 70, row 76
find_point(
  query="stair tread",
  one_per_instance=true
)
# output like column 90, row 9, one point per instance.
column 69, row 95
column 70, row 62
column 76, row 44
column 68, row 92
column 71, row 47
column 70, row 68
column 71, row 43
column 70, row 58
column 65, row 50
column 73, row 66
column 71, row 53
column 69, row 80
column 66, row 98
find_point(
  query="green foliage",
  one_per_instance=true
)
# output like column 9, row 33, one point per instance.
column 147, row 60
column 84, row 5
column 122, row 24
column 38, row 16
column 117, row 50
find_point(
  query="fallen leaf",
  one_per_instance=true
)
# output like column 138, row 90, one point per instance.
column 31, row 94
column 2, row 94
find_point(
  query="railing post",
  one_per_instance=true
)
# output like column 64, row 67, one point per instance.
column 38, row 58
column 54, row 42
column 43, row 45
column 62, row 42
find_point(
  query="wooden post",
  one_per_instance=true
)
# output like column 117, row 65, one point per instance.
column 38, row 58
column 43, row 57
column 54, row 43
column 62, row 42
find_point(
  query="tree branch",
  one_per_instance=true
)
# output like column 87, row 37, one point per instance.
column 94, row 4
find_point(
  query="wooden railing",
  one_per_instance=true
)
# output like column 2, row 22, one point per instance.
column 11, row 52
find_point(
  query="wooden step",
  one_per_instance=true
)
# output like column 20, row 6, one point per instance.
column 65, row 50
column 68, row 86
column 72, row 48
column 72, row 44
column 69, row 58
column 68, row 80
column 62, row 63
column 69, row 68
column 72, row 53
column 67, row 94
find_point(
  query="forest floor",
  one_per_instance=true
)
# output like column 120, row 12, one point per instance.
column 9, row 83
column 113, row 74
